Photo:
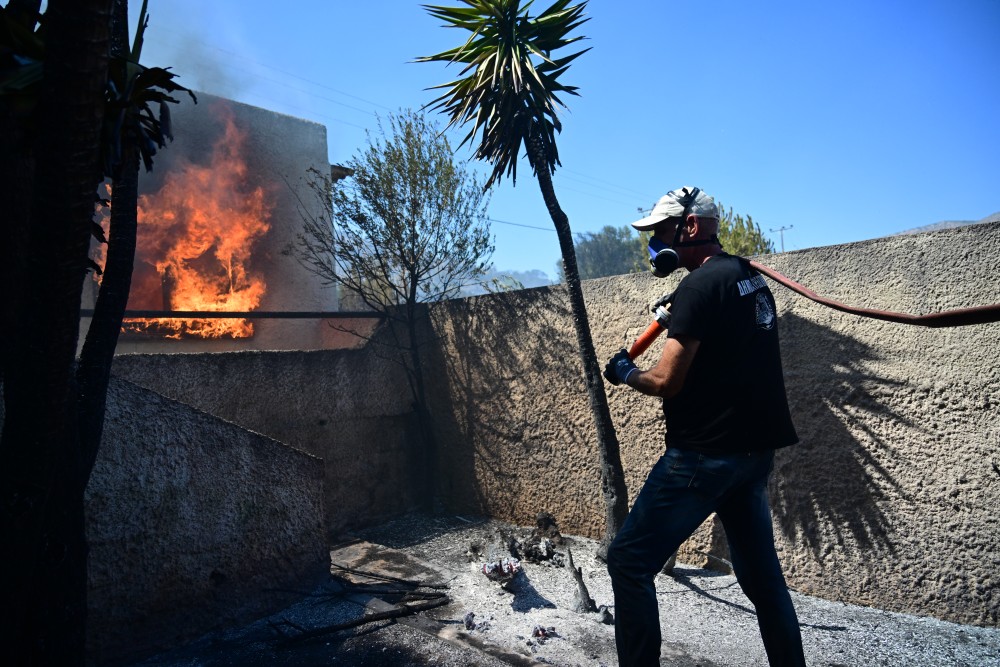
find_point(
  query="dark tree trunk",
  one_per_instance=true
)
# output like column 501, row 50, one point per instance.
column 24, row 12
column 94, row 368
column 612, row 476
column 427, row 465
column 42, row 469
column 17, row 167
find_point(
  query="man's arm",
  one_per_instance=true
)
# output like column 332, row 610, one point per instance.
column 667, row 377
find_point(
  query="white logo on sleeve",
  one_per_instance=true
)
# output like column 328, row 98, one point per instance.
column 751, row 285
column 765, row 312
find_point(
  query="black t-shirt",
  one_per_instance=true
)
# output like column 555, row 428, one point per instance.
column 733, row 399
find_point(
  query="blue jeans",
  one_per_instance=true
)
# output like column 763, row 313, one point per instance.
column 682, row 490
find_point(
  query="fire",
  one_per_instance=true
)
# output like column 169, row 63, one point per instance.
column 194, row 242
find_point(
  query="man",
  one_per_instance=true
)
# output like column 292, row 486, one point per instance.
column 726, row 412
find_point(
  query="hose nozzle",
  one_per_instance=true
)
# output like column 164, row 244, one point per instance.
column 659, row 324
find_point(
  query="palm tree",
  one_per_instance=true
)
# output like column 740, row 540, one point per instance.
column 508, row 93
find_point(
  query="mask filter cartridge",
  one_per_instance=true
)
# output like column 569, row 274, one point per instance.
column 662, row 258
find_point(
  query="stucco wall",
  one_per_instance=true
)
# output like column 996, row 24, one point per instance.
column 515, row 430
column 349, row 407
column 889, row 500
column 193, row 524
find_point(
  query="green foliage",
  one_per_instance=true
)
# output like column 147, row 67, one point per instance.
column 410, row 226
column 511, row 89
column 22, row 50
column 609, row 252
column 742, row 236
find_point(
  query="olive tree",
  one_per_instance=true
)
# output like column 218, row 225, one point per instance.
column 408, row 227
column 610, row 252
column 616, row 250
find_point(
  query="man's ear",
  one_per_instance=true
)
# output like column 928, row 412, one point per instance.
column 692, row 225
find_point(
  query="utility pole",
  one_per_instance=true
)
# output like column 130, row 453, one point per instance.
column 781, row 231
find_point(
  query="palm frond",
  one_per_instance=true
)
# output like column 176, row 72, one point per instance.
column 508, row 91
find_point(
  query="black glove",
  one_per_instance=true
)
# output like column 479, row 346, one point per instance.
column 662, row 301
column 619, row 368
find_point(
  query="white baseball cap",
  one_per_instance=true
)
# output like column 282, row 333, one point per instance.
column 675, row 203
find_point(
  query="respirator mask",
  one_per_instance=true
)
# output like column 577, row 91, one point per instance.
column 663, row 258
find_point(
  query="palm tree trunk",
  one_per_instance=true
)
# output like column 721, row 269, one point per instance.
column 612, row 476
column 94, row 368
column 17, row 167
column 43, row 583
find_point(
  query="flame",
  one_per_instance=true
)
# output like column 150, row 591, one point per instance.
column 195, row 237
column 102, row 217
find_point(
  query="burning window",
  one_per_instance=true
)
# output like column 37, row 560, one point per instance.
column 194, row 243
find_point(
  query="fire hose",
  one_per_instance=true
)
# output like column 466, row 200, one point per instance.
column 950, row 318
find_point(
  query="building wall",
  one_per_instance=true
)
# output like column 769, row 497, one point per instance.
column 280, row 152
column 889, row 500
column 194, row 525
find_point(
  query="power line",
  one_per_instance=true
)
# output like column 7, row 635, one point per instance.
column 311, row 94
column 243, row 58
column 591, row 194
column 606, row 184
column 315, row 114
column 602, row 184
column 578, row 235
column 520, row 224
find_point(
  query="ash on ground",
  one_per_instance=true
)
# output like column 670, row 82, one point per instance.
column 540, row 545
column 705, row 618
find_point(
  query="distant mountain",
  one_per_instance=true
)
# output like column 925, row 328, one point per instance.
column 949, row 224
column 530, row 278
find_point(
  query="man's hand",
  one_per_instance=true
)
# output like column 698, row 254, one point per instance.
column 619, row 368
column 663, row 301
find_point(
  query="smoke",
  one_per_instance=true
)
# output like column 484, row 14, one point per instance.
column 186, row 48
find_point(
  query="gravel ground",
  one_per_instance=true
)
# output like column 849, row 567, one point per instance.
column 706, row 619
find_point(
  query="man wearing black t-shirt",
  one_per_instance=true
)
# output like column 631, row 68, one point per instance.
column 726, row 412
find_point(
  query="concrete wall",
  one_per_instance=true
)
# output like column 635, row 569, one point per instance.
column 194, row 524
column 349, row 407
column 889, row 500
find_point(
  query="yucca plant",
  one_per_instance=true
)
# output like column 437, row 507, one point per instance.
column 136, row 125
column 133, row 92
column 75, row 105
column 508, row 94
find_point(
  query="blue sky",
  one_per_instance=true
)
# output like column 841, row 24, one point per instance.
column 841, row 121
